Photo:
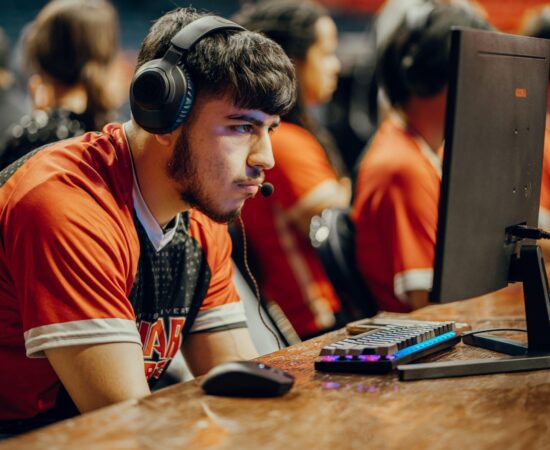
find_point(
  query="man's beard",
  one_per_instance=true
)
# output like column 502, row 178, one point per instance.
column 182, row 169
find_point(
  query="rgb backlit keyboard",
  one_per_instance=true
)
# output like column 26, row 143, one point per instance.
column 381, row 350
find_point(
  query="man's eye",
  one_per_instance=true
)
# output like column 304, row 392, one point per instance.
column 245, row 128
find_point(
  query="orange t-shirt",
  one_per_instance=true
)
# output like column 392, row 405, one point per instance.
column 395, row 214
column 288, row 268
column 544, row 212
column 77, row 267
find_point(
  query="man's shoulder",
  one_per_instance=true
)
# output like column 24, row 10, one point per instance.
column 78, row 174
column 85, row 157
column 386, row 172
column 393, row 154
column 393, row 164
column 204, row 228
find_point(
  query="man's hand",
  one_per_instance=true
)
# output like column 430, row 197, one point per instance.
column 417, row 299
column 101, row 374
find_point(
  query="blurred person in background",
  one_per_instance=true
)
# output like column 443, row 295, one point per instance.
column 536, row 23
column 391, row 15
column 308, row 175
column 69, row 51
column 12, row 101
column 397, row 192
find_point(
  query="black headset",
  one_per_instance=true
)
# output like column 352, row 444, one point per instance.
column 162, row 91
column 425, row 60
column 419, row 67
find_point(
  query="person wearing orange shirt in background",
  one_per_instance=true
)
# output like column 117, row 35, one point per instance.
column 308, row 173
column 69, row 53
column 536, row 23
column 397, row 192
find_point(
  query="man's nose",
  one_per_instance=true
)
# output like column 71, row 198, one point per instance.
column 336, row 64
column 261, row 154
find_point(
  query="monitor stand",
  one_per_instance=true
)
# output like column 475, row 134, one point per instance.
column 529, row 269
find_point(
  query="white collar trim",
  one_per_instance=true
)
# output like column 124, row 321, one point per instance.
column 157, row 236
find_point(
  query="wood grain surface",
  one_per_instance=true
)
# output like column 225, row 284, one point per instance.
column 336, row 411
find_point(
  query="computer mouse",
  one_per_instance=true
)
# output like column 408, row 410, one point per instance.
column 246, row 379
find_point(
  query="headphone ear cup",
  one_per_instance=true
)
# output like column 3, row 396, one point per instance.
column 150, row 87
column 428, row 73
column 161, row 96
column 186, row 94
column 414, row 66
column 162, row 91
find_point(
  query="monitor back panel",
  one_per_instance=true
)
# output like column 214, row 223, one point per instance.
column 493, row 158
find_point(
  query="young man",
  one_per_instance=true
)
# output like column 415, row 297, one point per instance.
column 113, row 248
column 397, row 191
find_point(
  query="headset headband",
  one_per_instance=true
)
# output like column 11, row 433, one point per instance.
column 196, row 30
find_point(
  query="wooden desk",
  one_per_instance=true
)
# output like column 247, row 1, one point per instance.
column 329, row 411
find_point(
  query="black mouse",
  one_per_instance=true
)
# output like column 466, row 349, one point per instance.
column 246, row 379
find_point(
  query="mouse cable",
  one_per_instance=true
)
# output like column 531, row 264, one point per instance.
column 255, row 283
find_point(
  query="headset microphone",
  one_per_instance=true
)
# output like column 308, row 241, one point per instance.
column 267, row 189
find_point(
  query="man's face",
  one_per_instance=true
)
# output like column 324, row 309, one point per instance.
column 220, row 155
column 318, row 72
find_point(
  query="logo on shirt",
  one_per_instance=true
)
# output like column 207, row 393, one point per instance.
column 161, row 341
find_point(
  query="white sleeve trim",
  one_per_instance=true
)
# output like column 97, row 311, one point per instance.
column 412, row 280
column 318, row 194
column 228, row 314
column 544, row 219
column 79, row 332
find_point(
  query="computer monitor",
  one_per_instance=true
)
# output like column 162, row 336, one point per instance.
column 490, row 191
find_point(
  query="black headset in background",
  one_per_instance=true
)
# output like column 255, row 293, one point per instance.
column 162, row 92
column 425, row 57
column 420, row 64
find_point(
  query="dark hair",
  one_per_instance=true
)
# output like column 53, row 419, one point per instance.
column 536, row 22
column 4, row 49
column 253, row 70
column 415, row 61
column 76, row 41
column 290, row 23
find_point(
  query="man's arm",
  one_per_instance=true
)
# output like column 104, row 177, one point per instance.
column 417, row 299
column 100, row 374
column 334, row 195
column 203, row 351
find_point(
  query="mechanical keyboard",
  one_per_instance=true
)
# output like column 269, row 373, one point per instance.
column 381, row 350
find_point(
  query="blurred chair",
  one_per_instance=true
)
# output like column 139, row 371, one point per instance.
column 332, row 234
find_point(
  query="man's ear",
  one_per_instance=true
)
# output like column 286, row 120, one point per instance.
column 41, row 93
column 168, row 139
